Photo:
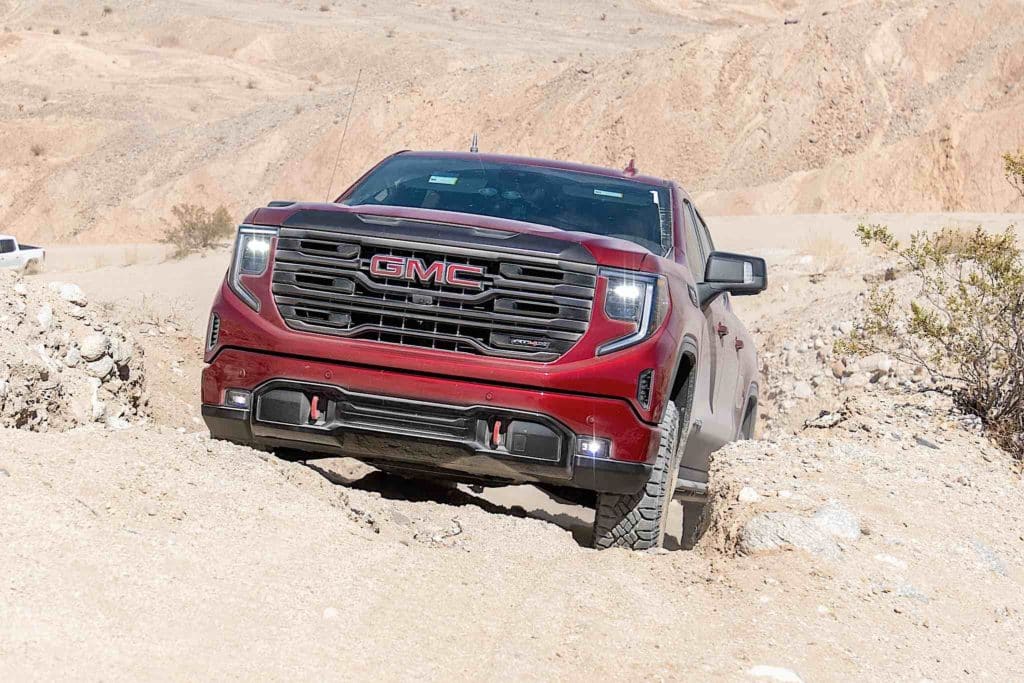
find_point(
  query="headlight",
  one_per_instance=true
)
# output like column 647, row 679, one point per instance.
column 634, row 297
column 252, row 255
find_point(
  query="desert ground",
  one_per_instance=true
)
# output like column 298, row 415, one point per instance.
column 134, row 547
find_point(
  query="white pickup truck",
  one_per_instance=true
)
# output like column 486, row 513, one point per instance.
column 22, row 257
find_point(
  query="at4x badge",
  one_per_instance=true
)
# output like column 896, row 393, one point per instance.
column 438, row 272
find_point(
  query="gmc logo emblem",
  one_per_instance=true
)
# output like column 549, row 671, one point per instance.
column 415, row 269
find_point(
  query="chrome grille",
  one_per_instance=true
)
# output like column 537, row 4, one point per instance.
column 528, row 307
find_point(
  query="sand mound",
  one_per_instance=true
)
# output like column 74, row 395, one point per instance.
column 64, row 363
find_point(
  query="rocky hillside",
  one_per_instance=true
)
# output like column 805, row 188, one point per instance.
column 114, row 112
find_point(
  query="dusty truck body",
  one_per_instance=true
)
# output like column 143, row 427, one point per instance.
column 19, row 256
column 492, row 320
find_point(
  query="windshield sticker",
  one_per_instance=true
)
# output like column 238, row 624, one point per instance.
column 443, row 179
column 606, row 193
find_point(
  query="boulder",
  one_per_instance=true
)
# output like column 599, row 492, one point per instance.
column 94, row 347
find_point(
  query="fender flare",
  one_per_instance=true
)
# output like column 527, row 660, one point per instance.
column 687, row 349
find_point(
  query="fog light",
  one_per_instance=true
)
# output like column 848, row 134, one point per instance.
column 593, row 448
column 236, row 398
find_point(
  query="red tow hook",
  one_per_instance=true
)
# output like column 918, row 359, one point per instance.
column 496, row 434
column 314, row 409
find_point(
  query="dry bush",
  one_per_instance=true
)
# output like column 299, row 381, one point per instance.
column 132, row 256
column 1013, row 167
column 962, row 322
column 37, row 150
column 250, row 85
column 828, row 253
column 107, row 9
column 197, row 229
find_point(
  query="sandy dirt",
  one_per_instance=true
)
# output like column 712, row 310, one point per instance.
column 153, row 552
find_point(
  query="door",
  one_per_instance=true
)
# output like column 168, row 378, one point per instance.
column 711, row 424
column 8, row 253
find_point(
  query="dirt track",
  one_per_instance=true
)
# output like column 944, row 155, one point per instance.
column 157, row 554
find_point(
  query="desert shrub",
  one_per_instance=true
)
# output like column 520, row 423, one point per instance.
column 961, row 322
column 1013, row 166
column 37, row 150
column 828, row 254
column 197, row 229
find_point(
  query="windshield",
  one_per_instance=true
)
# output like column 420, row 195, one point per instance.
column 568, row 200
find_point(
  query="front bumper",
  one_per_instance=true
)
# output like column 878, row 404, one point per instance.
column 411, row 422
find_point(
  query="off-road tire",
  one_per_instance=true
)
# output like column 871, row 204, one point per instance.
column 637, row 520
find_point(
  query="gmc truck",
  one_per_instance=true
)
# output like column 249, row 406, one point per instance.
column 492, row 320
column 19, row 256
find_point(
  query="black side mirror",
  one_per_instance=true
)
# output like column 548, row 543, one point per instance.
column 738, row 274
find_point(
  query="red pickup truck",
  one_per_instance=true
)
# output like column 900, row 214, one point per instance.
column 492, row 320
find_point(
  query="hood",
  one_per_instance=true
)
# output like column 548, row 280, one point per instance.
column 434, row 225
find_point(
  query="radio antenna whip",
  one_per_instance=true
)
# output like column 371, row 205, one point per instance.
column 344, row 133
column 474, row 147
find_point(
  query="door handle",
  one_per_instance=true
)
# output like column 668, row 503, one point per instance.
column 739, row 343
column 722, row 330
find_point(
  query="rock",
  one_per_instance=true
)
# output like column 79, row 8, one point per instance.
column 72, row 358
column 45, row 316
column 845, row 327
column 101, row 368
column 825, row 420
column 925, row 442
column 838, row 369
column 73, row 294
column 782, row 530
column 894, row 562
column 803, row 390
column 988, row 558
column 121, row 350
column 876, row 363
column 748, row 495
column 774, row 673
column 94, row 347
column 858, row 379
column 330, row 613
column 838, row 521
column 20, row 289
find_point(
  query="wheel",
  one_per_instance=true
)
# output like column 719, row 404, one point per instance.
column 637, row 520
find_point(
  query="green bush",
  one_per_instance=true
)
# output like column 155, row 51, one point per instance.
column 1013, row 166
column 197, row 229
column 962, row 323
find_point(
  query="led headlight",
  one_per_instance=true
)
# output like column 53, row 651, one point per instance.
column 252, row 255
column 639, row 298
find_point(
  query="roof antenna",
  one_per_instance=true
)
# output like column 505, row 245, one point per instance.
column 473, row 146
column 341, row 145
column 631, row 168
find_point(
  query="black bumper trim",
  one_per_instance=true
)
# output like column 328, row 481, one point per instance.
column 594, row 474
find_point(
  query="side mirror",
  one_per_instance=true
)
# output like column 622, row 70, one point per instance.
column 737, row 274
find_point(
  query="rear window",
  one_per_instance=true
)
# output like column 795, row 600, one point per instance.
column 568, row 200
